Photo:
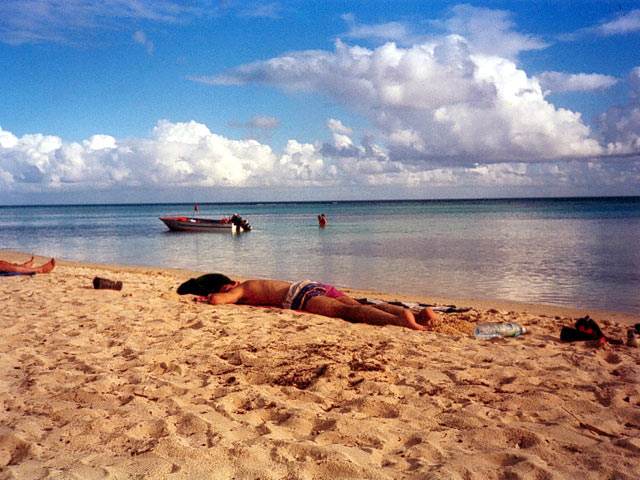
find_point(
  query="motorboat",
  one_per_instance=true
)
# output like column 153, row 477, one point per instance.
column 233, row 224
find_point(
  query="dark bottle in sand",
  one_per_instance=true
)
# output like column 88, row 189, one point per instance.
column 105, row 283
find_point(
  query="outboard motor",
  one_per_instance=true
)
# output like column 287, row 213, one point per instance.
column 240, row 223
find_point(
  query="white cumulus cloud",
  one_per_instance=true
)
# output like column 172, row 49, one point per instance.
column 623, row 24
column 491, row 32
column 557, row 82
column 435, row 102
column 182, row 154
column 187, row 155
column 336, row 126
column 620, row 124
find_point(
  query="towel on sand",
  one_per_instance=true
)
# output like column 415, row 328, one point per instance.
column 415, row 306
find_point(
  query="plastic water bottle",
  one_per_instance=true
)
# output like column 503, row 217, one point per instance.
column 491, row 330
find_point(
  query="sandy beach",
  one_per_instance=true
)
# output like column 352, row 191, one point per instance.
column 144, row 383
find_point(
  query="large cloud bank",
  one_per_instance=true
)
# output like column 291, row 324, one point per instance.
column 455, row 99
column 434, row 103
column 189, row 155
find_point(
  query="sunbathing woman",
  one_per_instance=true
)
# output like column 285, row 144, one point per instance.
column 26, row 267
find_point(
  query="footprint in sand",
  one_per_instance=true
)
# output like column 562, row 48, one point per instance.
column 610, row 357
column 189, row 424
column 13, row 450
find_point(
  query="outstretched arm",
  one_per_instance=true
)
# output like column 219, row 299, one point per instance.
column 232, row 296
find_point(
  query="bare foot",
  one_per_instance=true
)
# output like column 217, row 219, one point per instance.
column 406, row 319
column 428, row 318
column 29, row 262
column 47, row 267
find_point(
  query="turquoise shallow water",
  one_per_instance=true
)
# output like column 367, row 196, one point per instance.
column 572, row 252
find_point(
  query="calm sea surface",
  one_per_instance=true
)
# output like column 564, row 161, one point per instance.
column 572, row 252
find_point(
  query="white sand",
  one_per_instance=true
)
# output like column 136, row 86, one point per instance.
column 144, row 383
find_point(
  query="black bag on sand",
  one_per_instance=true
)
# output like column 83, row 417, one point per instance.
column 568, row 334
column 586, row 329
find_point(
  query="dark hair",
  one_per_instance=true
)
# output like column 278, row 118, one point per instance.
column 204, row 285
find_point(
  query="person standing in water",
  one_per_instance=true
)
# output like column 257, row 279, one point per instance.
column 322, row 220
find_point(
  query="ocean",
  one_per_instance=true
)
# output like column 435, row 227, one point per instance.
column 575, row 252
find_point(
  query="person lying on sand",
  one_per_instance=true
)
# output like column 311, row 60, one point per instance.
column 26, row 267
column 312, row 297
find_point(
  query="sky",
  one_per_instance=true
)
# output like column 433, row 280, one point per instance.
column 127, row 101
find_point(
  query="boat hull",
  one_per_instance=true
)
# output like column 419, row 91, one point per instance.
column 192, row 224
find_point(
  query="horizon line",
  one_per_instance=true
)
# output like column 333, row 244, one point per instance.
column 284, row 202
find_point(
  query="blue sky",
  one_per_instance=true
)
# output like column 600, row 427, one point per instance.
column 202, row 100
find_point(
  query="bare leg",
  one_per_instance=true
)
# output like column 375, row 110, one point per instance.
column 426, row 317
column 29, row 262
column 331, row 307
column 12, row 267
column 46, row 267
